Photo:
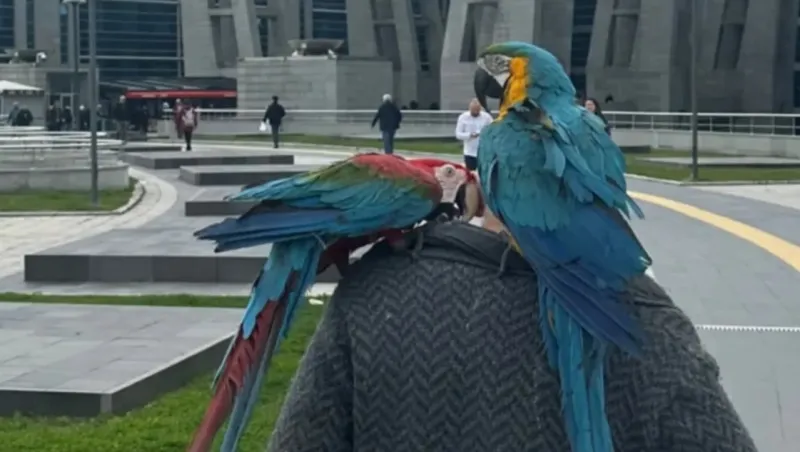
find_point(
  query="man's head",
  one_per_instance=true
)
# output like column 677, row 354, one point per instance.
column 274, row 99
column 387, row 97
column 122, row 98
column 474, row 107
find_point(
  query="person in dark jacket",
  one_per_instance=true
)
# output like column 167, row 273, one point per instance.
column 389, row 118
column 274, row 117
column 12, row 114
column 66, row 118
column 444, row 353
column 23, row 118
column 52, row 118
column 84, row 118
column 122, row 118
column 592, row 105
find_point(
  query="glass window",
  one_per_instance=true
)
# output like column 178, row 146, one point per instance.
column 579, row 81
column 416, row 7
column 580, row 49
column 114, row 68
column 797, row 47
column 133, row 29
column 329, row 25
column 422, row 44
column 797, row 89
column 583, row 13
column 335, row 5
column 263, row 35
column 6, row 24
column 30, row 24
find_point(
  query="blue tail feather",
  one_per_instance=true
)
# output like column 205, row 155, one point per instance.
column 303, row 258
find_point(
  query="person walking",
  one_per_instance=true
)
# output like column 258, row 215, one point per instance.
column 187, row 123
column 389, row 118
column 84, row 118
column 122, row 117
column 176, row 111
column 593, row 106
column 52, row 118
column 274, row 117
column 468, row 130
column 12, row 114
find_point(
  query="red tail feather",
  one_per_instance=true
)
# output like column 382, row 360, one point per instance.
column 244, row 354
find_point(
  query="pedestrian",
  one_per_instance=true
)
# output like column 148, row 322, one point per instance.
column 23, row 118
column 468, row 130
column 444, row 352
column 122, row 117
column 593, row 106
column 176, row 111
column 84, row 118
column 12, row 114
column 274, row 117
column 389, row 118
column 52, row 118
column 188, row 122
column 66, row 118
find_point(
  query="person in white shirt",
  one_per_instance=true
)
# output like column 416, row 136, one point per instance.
column 468, row 129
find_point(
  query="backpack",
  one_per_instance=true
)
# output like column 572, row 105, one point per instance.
column 187, row 117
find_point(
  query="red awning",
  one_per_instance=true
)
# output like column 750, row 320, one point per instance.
column 181, row 94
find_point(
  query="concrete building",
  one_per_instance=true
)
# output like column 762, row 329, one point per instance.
column 749, row 54
column 634, row 50
column 408, row 33
column 638, row 50
column 135, row 39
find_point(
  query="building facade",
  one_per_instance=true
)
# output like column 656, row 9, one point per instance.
column 638, row 51
column 408, row 33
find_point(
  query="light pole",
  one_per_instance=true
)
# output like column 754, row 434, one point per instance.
column 695, row 50
column 74, row 20
column 92, row 85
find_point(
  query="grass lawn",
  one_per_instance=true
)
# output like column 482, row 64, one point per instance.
column 62, row 201
column 167, row 424
column 635, row 164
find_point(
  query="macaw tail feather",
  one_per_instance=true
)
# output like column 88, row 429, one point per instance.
column 274, row 299
column 237, row 374
column 579, row 360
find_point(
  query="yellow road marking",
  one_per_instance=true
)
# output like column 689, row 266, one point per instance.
column 786, row 251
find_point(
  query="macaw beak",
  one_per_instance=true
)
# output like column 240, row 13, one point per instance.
column 487, row 85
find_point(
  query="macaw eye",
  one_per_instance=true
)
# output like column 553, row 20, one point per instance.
column 496, row 64
column 449, row 171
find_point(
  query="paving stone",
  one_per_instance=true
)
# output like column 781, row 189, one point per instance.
column 174, row 160
column 157, row 351
column 729, row 162
column 240, row 175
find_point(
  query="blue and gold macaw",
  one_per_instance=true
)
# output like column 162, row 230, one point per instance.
column 554, row 177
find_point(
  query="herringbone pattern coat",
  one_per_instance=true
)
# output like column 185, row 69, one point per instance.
column 443, row 354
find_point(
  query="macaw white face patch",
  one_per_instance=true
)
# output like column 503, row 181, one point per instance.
column 450, row 178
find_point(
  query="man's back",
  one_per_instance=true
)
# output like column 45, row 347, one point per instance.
column 443, row 354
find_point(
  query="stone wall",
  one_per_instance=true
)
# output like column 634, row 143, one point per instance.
column 313, row 83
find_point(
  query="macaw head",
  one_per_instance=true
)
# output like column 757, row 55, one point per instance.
column 460, row 192
column 515, row 71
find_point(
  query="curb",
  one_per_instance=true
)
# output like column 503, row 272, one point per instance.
column 139, row 190
column 712, row 183
column 630, row 175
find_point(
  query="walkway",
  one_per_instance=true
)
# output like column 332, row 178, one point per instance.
column 26, row 235
column 739, row 287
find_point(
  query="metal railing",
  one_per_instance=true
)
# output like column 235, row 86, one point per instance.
column 439, row 122
column 28, row 148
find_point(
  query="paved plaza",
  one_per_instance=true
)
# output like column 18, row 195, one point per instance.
column 742, row 298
